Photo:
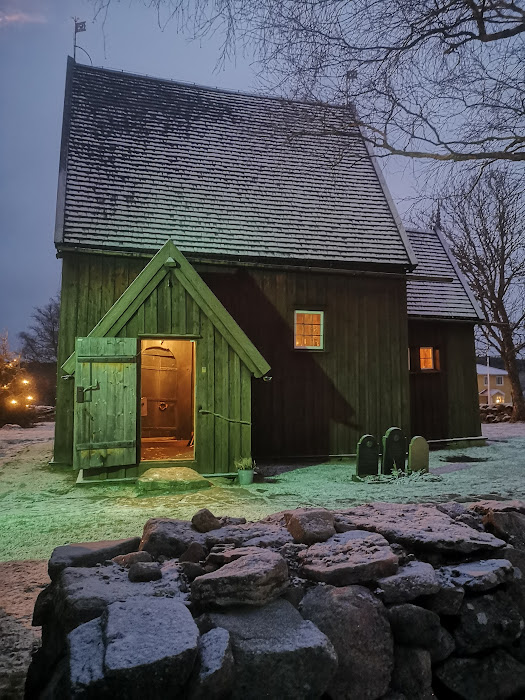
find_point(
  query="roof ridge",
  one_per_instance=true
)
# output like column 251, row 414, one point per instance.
column 210, row 88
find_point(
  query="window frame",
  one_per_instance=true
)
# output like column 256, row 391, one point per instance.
column 499, row 380
column 434, row 357
column 415, row 360
column 315, row 348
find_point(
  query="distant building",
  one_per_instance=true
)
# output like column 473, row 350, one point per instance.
column 499, row 386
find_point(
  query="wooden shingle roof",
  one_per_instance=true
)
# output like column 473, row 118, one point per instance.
column 445, row 292
column 220, row 173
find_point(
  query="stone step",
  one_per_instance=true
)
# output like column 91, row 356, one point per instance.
column 171, row 480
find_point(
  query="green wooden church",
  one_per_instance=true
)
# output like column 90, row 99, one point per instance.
column 237, row 282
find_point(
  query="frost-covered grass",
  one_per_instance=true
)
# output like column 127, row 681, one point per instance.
column 40, row 507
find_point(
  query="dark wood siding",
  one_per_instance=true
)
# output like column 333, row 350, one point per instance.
column 90, row 286
column 321, row 402
column 444, row 403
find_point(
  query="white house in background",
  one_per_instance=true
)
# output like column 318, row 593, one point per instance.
column 499, row 386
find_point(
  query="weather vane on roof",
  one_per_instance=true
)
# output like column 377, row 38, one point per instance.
column 80, row 26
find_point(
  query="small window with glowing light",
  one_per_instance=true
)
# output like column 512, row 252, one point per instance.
column 428, row 359
column 309, row 330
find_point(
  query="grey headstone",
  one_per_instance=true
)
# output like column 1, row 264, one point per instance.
column 367, row 456
column 418, row 456
column 394, row 450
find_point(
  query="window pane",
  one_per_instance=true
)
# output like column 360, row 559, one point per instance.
column 426, row 358
column 308, row 329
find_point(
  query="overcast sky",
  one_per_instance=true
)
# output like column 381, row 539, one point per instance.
column 36, row 37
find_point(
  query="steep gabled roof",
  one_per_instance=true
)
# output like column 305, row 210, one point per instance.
column 221, row 173
column 445, row 292
column 169, row 258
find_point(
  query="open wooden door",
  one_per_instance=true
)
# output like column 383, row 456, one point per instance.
column 105, row 403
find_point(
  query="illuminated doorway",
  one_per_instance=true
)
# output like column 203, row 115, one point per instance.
column 167, row 404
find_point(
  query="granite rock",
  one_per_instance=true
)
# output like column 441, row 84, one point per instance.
column 508, row 525
column 348, row 558
column 478, row 576
column 261, row 534
column 126, row 560
column 308, row 526
column 142, row 571
column 168, row 538
column 277, row 653
column 496, row 676
column 86, row 661
column 416, row 627
column 82, row 594
column 421, row 527
column 195, row 553
column 213, row 674
column 412, row 674
column 249, row 580
column 448, row 600
column 409, row 582
column 486, row 622
column 205, row 521
column 143, row 657
column 88, row 554
column 356, row 623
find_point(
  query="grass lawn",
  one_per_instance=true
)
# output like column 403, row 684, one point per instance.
column 40, row 507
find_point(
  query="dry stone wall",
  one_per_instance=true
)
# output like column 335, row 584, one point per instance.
column 378, row 601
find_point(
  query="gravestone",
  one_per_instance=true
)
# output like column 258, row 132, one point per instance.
column 394, row 451
column 367, row 456
column 418, row 456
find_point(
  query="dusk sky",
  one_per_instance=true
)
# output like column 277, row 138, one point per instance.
column 36, row 37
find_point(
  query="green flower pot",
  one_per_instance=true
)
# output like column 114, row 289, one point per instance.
column 245, row 477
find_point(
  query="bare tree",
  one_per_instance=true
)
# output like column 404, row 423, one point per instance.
column 433, row 79
column 484, row 220
column 40, row 343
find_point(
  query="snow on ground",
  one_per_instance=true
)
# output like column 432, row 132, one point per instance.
column 501, row 431
column 40, row 506
column 12, row 437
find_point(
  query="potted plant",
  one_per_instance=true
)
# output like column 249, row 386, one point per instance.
column 245, row 468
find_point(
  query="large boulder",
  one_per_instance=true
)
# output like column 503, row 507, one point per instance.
column 213, row 674
column 204, row 521
column 448, row 599
column 487, row 622
column 496, row 676
column 416, row 627
column 411, row 581
column 144, row 658
column 261, row 534
column 420, row 527
column 88, row 554
column 357, row 625
column 509, row 525
column 84, row 671
column 348, row 558
column 250, row 580
column 277, row 653
column 168, row 538
column 412, row 673
column 478, row 576
column 310, row 525
column 82, row 594
column 132, row 652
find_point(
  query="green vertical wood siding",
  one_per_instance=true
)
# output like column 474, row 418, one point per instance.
column 445, row 403
column 321, row 402
column 90, row 286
